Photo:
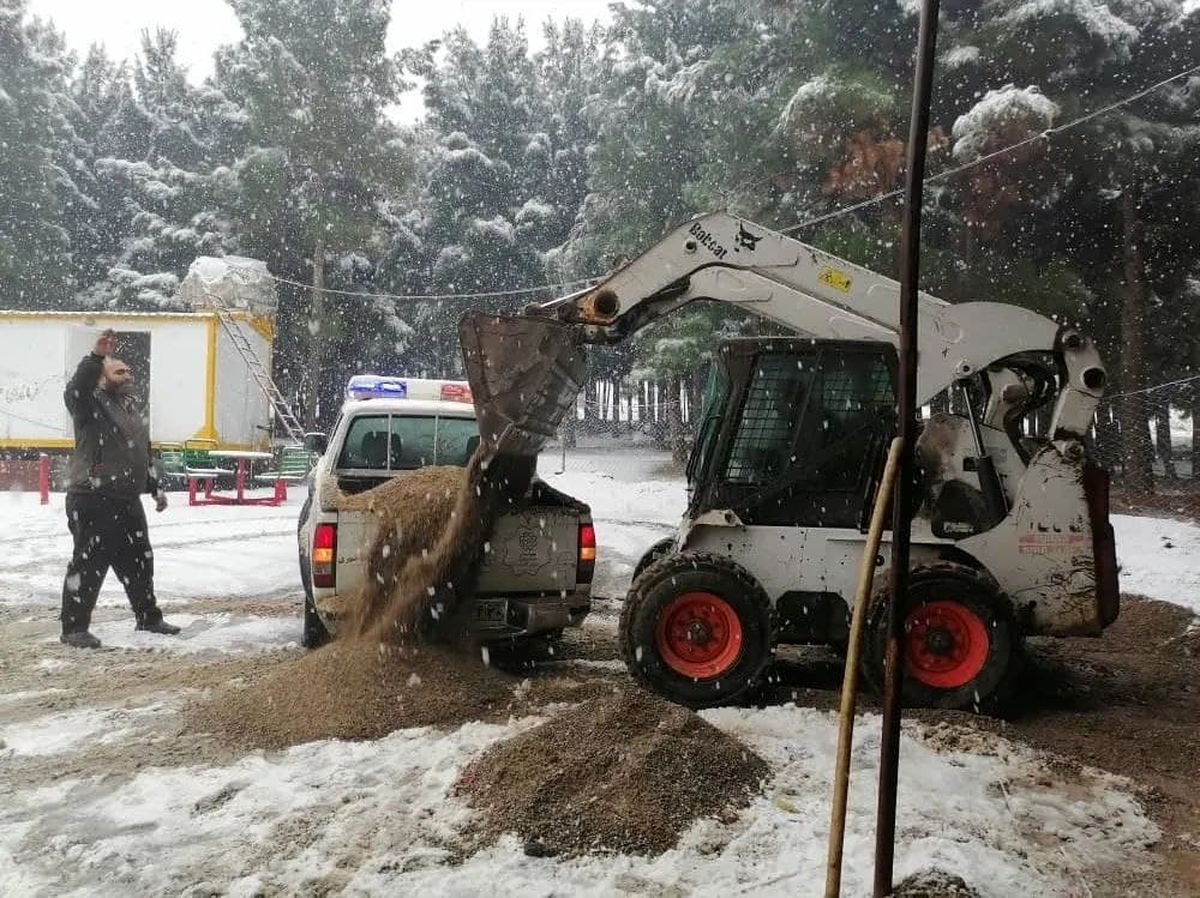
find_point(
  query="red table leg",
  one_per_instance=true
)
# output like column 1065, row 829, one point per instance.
column 241, row 480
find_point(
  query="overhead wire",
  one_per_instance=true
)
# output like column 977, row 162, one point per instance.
column 488, row 294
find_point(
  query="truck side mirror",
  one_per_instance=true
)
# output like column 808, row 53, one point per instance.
column 316, row 442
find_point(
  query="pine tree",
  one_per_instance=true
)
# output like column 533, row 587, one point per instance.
column 34, row 186
column 322, row 154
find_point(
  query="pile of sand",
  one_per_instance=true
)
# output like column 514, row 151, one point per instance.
column 934, row 883
column 383, row 673
column 353, row 689
column 425, row 558
column 628, row 773
column 412, row 512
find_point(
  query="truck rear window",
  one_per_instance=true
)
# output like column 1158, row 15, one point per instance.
column 406, row 442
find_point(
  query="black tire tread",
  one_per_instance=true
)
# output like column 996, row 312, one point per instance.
column 666, row 567
column 1001, row 700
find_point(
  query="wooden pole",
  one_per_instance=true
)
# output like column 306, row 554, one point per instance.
column 866, row 579
column 910, row 250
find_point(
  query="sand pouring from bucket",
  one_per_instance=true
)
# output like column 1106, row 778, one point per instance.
column 525, row 373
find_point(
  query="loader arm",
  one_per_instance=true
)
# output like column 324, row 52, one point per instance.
column 727, row 259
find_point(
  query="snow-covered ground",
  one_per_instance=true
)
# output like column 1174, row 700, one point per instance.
column 379, row 818
column 636, row 499
column 1159, row 558
column 199, row 551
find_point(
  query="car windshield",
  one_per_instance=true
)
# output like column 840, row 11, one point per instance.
column 407, row 442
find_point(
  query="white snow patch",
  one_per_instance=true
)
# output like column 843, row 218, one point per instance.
column 16, row 698
column 222, row 632
column 57, row 734
column 199, row 551
column 1001, row 113
column 380, row 818
column 1159, row 558
column 1095, row 19
column 961, row 55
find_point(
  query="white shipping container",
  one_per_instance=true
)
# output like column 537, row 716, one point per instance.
column 196, row 384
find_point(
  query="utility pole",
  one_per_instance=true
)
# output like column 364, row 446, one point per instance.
column 910, row 250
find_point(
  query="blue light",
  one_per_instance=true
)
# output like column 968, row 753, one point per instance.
column 373, row 386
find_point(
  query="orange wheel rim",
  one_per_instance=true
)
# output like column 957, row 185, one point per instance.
column 946, row 644
column 699, row 635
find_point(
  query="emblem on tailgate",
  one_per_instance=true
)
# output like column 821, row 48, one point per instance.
column 529, row 552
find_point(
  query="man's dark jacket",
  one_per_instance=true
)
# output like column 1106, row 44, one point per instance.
column 112, row 442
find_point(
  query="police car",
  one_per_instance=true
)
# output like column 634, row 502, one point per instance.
column 534, row 580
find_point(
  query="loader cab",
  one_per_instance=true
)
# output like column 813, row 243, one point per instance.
column 794, row 431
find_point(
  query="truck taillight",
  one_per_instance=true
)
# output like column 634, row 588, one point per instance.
column 324, row 556
column 587, row 553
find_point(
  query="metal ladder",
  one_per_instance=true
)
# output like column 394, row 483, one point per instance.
column 262, row 377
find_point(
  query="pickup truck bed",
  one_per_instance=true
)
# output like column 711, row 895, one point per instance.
column 536, row 572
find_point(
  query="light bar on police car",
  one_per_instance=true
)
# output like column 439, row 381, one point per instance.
column 372, row 386
column 376, row 386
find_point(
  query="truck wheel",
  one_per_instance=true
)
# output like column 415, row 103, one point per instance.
column 697, row 629
column 962, row 648
column 521, row 654
column 315, row 633
column 656, row 552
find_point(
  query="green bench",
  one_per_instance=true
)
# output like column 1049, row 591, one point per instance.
column 295, row 463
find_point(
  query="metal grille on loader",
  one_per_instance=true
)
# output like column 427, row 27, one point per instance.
column 283, row 412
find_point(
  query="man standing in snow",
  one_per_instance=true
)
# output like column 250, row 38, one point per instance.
column 109, row 470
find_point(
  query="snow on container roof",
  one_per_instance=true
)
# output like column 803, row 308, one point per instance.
column 231, row 282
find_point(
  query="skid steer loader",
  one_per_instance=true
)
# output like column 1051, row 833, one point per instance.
column 1012, row 535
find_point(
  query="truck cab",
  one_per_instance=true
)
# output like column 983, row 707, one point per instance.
column 535, row 577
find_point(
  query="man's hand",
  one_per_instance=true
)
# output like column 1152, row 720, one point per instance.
column 160, row 502
column 106, row 344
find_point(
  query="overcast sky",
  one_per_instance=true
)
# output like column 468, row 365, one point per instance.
column 203, row 25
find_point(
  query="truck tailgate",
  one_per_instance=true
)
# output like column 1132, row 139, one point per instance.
column 534, row 550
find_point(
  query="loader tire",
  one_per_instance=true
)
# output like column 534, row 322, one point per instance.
column 697, row 629
column 656, row 552
column 963, row 650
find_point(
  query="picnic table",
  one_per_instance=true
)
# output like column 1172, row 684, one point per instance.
column 206, row 475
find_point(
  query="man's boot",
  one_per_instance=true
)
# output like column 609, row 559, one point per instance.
column 80, row 639
column 153, row 623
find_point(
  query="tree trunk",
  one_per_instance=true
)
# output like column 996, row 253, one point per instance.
column 1195, row 460
column 568, row 428
column 695, row 400
column 1162, row 438
column 585, row 420
column 675, row 436
column 1108, row 437
column 1136, row 447
column 316, row 345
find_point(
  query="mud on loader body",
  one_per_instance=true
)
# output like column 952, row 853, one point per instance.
column 1011, row 537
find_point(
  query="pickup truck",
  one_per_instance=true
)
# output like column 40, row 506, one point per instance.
column 535, row 580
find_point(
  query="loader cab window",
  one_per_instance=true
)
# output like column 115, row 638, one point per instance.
column 407, row 442
column 780, row 387
column 716, row 394
column 810, row 431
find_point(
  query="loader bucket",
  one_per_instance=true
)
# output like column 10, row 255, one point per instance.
column 525, row 373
